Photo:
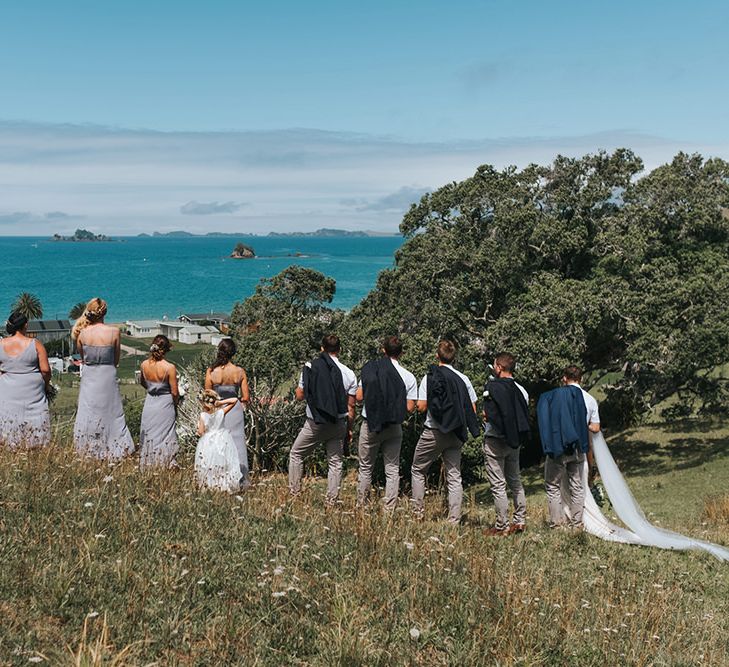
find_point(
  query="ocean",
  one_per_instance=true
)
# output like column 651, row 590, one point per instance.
column 146, row 278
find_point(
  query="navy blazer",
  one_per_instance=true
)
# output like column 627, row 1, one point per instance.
column 562, row 417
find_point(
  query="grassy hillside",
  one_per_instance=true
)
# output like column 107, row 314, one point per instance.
column 107, row 566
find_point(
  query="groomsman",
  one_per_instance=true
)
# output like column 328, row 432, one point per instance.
column 389, row 392
column 328, row 387
column 506, row 428
column 567, row 416
column 448, row 398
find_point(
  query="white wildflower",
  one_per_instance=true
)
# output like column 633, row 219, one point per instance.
column 278, row 594
column 88, row 504
column 414, row 634
column 409, row 546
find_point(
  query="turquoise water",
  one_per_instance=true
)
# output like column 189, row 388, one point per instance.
column 153, row 277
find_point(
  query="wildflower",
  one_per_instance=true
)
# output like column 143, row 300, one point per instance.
column 88, row 504
column 92, row 614
column 278, row 594
column 108, row 478
column 409, row 546
column 278, row 570
column 35, row 658
column 414, row 634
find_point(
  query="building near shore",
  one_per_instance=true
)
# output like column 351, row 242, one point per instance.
column 48, row 331
column 143, row 328
column 195, row 333
column 220, row 320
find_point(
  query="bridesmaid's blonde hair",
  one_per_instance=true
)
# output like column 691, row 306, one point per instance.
column 95, row 312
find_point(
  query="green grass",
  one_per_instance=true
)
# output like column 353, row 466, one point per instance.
column 181, row 354
column 105, row 564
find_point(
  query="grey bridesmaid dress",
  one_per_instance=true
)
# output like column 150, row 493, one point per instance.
column 101, row 431
column 235, row 422
column 157, row 435
column 24, row 417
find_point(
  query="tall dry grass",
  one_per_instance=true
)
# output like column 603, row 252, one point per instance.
column 105, row 565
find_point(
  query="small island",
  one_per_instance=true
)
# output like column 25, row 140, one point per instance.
column 321, row 233
column 243, row 251
column 82, row 235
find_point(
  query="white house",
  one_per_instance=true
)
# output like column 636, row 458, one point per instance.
column 143, row 328
column 171, row 329
column 194, row 333
column 216, row 338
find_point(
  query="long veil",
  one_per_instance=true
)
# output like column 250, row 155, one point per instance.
column 640, row 530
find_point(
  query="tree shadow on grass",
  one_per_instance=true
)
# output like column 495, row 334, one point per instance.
column 637, row 456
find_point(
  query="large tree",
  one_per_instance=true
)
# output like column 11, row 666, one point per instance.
column 280, row 326
column 579, row 261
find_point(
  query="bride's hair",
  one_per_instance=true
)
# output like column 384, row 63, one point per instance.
column 208, row 400
column 226, row 352
column 15, row 322
column 95, row 312
column 159, row 347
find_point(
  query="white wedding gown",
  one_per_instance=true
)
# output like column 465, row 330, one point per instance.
column 639, row 530
column 217, row 465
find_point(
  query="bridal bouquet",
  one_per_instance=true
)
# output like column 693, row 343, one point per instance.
column 51, row 392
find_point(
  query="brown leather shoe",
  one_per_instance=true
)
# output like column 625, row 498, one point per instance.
column 496, row 532
column 516, row 528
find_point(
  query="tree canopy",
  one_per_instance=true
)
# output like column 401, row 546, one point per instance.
column 580, row 261
column 29, row 305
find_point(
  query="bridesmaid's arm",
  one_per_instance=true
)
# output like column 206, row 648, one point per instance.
column 172, row 379
column 142, row 379
column 43, row 365
column 117, row 348
column 245, row 394
column 200, row 426
column 208, row 379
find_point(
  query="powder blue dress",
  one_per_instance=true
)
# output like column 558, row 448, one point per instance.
column 235, row 422
column 24, row 416
column 157, row 435
column 101, row 431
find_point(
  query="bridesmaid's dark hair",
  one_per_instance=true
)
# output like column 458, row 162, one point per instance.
column 15, row 322
column 226, row 352
column 159, row 347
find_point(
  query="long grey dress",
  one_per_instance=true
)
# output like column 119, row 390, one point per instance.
column 101, row 430
column 157, row 435
column 24, row 417
column 235, row 422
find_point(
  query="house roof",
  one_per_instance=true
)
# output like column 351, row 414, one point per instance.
column 206, row 316
column 197, row 329
column 174, row 325
column 142, row 324
column 36, row 326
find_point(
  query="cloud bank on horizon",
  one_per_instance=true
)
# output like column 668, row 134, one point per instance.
column 123, row 181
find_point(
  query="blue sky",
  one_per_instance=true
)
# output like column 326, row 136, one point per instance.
column 106, row 108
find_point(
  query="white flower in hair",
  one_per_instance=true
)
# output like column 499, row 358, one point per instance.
column 154, row 347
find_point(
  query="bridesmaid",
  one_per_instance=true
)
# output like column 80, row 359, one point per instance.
column 229, row 381
column 100, row 430
column 157, row 435
column 26, row 374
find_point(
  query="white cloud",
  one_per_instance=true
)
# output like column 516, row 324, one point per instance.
column 130, row 181
column 209, row 208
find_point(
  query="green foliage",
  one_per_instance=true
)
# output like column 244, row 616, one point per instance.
column 133, row 416
column 77, row 310
column 577, row 262
column 281, row 325
column 29, row 305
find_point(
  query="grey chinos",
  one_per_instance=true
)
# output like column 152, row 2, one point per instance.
column 310, row 435
column 389, row 440
column 502, row 470
column 555, row 469
column 431, row 445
